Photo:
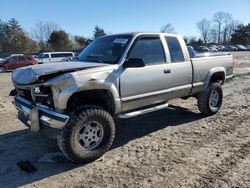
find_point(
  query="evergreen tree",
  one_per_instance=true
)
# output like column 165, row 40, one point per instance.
column 241, row 35
column 98, row 32
column 59, row 40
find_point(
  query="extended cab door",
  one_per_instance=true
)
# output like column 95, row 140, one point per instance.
column 180, row 67
column 159, row 80
column 142, row 86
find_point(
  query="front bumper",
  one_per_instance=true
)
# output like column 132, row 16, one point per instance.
column 37, row 116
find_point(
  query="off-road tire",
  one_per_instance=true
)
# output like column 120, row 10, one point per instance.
column 2, row 69
column 68, row 142
column 203, row 99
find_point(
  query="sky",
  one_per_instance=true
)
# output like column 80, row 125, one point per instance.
column 79, row 17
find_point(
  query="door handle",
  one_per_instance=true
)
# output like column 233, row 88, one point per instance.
column 167, row 71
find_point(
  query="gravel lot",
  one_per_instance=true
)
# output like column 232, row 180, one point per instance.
column 175, row 147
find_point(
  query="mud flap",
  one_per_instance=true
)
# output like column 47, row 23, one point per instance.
column 34, row 120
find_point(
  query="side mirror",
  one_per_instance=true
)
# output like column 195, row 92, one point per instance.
column 134, row 62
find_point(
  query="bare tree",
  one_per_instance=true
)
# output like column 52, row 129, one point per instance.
column 213, row 35
column 168, row 28
column 232, row 26
column 204, row 27
column 228, row 19
column 225, row 25
column 42, row 31
column 219, row 18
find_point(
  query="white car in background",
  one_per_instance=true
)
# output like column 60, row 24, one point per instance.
column 48, row 57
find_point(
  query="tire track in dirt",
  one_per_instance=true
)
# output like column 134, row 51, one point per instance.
column 216, row 173
column 186, row 144
column 229, row 132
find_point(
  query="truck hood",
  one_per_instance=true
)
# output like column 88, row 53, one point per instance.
column 31, row 74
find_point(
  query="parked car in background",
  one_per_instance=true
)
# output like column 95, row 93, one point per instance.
column 221, row 48
column 213, row 46
column 202, row 49
column 48, row 57
column 1, row 59
column 16, row 61
column 248, row 47
column 230, row 48
column 241, row 47
column 213, row 49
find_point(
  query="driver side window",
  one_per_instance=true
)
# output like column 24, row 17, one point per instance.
column 149, row 49
column 45, row 56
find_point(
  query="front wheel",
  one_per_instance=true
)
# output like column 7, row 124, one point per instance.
column 88, row 134
column 210, row 100
column 2, row 69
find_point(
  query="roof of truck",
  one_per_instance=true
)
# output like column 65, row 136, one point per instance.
column 137, row 33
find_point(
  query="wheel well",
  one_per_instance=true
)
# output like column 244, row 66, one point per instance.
column 101, row 98
column 219, row 76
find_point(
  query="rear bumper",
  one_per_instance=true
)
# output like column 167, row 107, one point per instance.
column 36, row 116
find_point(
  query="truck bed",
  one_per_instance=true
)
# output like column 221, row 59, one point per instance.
column 201, row 64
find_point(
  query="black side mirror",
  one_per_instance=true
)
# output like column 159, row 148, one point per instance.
column 134, row 62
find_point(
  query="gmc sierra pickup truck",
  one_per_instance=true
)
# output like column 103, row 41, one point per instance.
column 121, row 75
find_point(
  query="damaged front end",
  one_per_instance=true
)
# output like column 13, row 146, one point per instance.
column 42, row 89
column 36, row 108
column 36, row 99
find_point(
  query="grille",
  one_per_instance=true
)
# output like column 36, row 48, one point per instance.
column 45, row 98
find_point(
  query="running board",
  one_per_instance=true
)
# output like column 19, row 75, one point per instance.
column 141, row 112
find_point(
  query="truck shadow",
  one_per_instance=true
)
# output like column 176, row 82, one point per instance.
column 129, row 129
column 25, row 145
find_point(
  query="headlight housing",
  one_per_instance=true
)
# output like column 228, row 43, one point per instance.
column 43, row 95
column 36, row 90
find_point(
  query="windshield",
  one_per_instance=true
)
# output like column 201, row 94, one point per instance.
column 106, row 49
column 40, row 56
column 7, row 59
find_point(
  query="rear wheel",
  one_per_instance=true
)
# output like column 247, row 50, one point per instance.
column 210, row 100
column 2, row 69
column 88, row 134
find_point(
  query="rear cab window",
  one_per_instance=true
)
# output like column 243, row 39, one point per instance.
column 175, row 50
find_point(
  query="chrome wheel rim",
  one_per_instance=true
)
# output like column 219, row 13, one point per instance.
column 1, row 69
column 90, row 135
column 214, row 99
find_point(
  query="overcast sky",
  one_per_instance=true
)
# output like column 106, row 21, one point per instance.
column 79, row 17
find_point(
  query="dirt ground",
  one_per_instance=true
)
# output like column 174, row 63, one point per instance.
column 175, row 147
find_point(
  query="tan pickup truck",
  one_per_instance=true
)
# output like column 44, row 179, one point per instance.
column 121, row 75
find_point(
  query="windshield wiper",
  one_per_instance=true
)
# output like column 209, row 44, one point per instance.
column 96, row 58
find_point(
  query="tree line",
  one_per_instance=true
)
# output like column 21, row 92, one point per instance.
column 223, row 29
column 45, row 36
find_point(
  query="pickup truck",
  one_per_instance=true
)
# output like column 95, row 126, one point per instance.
column 120, row 76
